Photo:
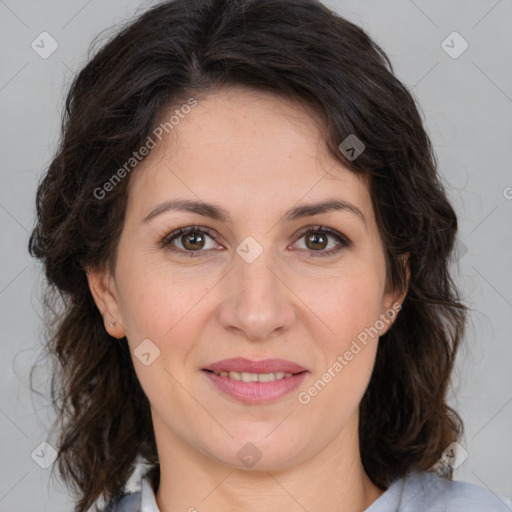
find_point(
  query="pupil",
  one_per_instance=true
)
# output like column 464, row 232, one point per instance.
column 316, row 238
column 194, row 237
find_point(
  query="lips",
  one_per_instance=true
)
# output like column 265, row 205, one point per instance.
column 255, row 382
column 242, row 365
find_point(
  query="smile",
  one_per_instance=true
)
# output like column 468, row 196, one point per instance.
column 255, row 377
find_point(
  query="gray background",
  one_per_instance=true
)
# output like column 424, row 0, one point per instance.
column 467, row 105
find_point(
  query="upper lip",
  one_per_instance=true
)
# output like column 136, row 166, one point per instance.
column 240, row 364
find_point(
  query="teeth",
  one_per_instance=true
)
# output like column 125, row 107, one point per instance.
column 255, row 377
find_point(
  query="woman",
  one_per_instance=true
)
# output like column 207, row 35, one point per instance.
column 251, row 242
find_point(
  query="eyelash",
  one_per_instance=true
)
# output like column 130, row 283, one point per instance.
column 343, row 241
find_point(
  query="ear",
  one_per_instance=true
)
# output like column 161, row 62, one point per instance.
column 393, row 299
column 104, row 293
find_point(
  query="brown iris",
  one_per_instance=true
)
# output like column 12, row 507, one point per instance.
column 316, row 238
column 196, row 240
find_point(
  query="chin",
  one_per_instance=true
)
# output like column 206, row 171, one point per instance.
column 252, row 451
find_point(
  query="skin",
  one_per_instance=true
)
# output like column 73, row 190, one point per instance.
column 256, row 155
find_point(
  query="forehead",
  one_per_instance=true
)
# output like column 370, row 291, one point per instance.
column 243, row 147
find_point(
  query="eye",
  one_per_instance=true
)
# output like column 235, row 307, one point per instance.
column 317, row 239
column 191, row 240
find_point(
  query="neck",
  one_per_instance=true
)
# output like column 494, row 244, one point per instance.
column 333, row 479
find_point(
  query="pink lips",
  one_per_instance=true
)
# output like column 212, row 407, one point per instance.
column 256, row 392
column 240, row 364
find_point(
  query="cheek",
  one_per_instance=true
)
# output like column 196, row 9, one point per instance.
column 349, row 308
column 347, row 304
column 156, row 300
column 168, row 310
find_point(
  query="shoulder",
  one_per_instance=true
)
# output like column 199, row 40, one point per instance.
column 142, row 500
column 429, row 492
column 121, row 503
column 137, row 495
column 128, row 503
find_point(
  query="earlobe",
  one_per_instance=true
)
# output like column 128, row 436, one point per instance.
column 102, row 287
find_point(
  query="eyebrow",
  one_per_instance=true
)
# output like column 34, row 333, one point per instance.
column 220, row 214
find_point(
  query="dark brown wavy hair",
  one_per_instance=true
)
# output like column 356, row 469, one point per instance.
column 298, row 49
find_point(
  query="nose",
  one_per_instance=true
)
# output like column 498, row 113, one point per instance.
column 258, row 302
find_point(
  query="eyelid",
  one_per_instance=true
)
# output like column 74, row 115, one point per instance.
column 343, row 241
column 166, row 240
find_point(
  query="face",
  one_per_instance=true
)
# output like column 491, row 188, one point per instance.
column 267, row 279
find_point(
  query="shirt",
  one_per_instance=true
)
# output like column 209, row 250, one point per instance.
column 416, row 492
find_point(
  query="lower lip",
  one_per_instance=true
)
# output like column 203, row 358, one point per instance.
column 256, row 392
